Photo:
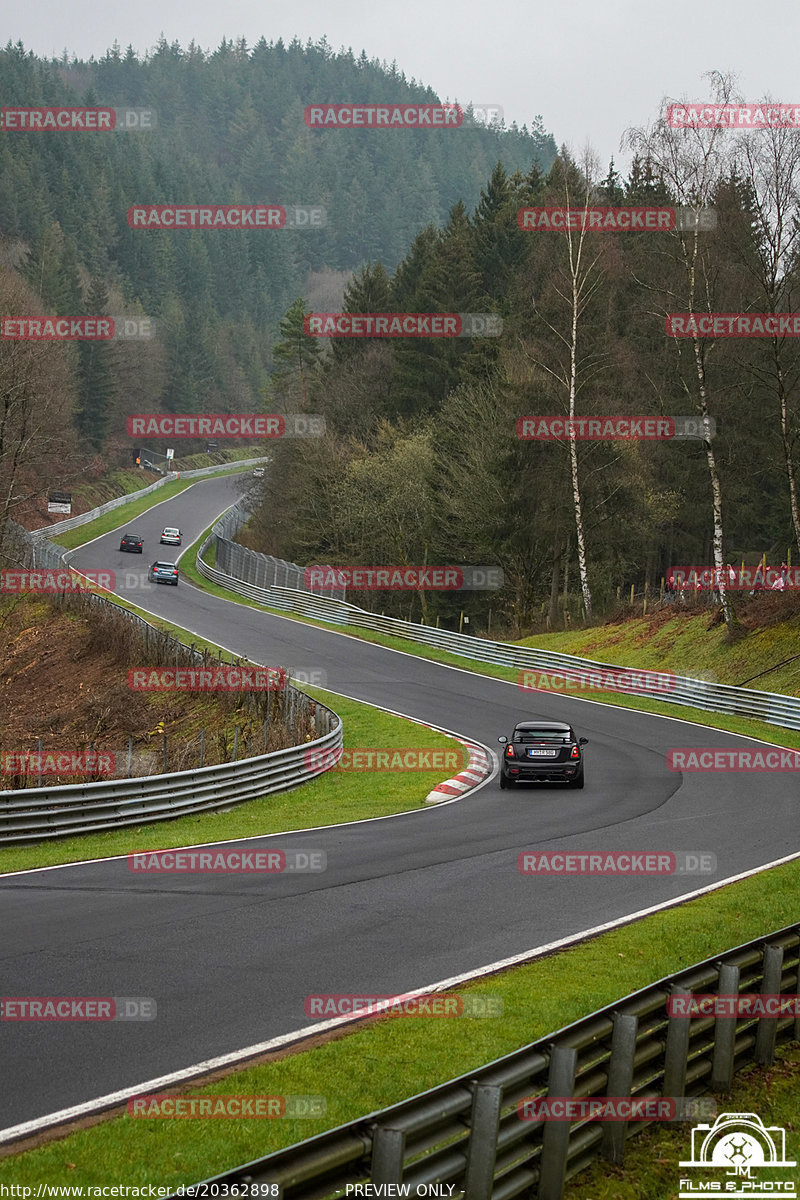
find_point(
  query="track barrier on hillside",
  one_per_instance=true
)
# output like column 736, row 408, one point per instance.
column 244, row 571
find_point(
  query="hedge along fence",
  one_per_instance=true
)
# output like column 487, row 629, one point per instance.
column 278, row 720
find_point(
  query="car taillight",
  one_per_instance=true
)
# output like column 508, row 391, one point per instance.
column 575, row 752
column 509, row 751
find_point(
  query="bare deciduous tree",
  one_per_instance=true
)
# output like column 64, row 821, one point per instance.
column 693, row 162
column 34, row 411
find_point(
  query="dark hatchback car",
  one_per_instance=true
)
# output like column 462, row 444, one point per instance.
column 132, row 542
column 163, row 572
column 542, row 752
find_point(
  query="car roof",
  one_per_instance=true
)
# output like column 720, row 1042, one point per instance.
column 162, row 562
column 544, row 725
column 171, row 529
column 130, row 534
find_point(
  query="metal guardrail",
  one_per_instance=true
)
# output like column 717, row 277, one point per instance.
column 34, row 814
column 770, row 707
column 468, row 1132
column 38, row 813
column 110, row 505
column 260, row 570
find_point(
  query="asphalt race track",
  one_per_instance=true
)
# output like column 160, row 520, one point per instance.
column 404, row 901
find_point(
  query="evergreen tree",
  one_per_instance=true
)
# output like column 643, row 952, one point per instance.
column 296, row 355
column 95, row 391
column 368, row 292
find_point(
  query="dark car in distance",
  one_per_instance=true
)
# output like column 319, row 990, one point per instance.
column 131, row 542
column 163, row 572
column 542, row 752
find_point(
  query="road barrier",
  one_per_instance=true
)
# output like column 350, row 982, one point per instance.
column 241, row 571
column 468, row 1133
column 35, row 814
column 84, row 518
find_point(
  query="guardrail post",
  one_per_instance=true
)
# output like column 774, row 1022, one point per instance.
column 555, row 1135
column 388, row 1150
column 482, row 1148
column 620, row 1081
column 724, row 1033
column 677, row 1052
column 767, row 1027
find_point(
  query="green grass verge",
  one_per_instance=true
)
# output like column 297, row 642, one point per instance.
column 687, row 644
column 388, row 1060
column 116, row 483
column 333, row 797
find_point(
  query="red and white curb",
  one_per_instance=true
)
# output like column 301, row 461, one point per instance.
column 480, row 765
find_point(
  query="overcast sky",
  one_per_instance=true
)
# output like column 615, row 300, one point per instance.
column 589, row 69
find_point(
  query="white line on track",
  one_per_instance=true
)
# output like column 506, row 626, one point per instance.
column 113, row 1099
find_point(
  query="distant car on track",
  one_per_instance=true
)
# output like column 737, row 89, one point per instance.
column 131, row 542
column 171, row 536
column 258, row 472
column 542, row 752
column 163, row 572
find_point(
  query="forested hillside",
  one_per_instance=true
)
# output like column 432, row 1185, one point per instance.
column 230, row 128
column 422, row 462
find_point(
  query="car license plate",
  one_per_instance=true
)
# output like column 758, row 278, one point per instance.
column 542, row 753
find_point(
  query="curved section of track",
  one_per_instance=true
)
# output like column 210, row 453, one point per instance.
column 404, row 900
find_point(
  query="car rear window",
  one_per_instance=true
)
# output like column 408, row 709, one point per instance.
column 541, row 735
